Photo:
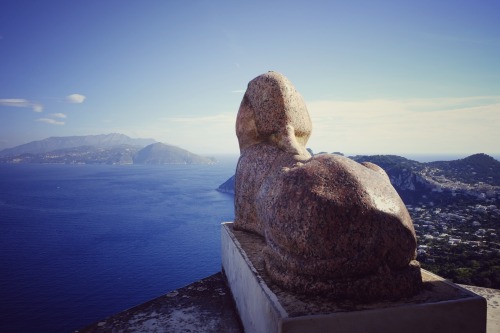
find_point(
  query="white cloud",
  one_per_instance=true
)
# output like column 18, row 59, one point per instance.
column 50, row 121
column 17, row 102
column 437, row 125
column 58, row 115
column 75, row 98
column 37, row 107
column 21, row 103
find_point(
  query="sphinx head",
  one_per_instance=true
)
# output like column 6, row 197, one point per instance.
column 273, row 112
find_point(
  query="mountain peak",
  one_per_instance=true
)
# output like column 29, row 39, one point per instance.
column 65, row 142
column 481, row 158
column 161, row 153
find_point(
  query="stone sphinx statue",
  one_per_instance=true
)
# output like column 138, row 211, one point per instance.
column 332, row 226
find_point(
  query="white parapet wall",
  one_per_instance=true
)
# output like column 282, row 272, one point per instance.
column 259, row 309
column 265, row 308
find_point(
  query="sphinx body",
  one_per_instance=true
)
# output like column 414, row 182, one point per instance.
column 331, row 225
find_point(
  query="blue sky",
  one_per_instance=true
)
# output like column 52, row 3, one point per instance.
column 378, row 77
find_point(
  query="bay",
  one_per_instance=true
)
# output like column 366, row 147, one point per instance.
column 81, row 242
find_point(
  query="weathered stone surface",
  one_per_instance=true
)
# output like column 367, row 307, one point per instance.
column 273, row 111
column 331, row 225
column 272, row 122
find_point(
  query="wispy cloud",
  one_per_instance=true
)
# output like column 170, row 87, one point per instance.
column 53, row 119
column 468, row 124
column 50, row 121
column 22, row 103
column 58, row 115
column 75, row 98
column 37, row 107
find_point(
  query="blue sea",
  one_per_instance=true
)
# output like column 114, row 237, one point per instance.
column 81, row 242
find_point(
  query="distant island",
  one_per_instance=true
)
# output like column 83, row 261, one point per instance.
column 455, row 207
column 100, row 149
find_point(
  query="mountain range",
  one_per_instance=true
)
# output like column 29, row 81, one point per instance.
column 100, row 149
column 58, row 143
column 477, row 176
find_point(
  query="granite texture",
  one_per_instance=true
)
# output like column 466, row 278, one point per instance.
column 434, row 288
column 331, row 225
column 272, row 121
column 440, row 306
column 273, row 111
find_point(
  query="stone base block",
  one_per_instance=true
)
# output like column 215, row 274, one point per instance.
column 264, row 307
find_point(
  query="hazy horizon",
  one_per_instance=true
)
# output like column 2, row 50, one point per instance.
column 420, row 157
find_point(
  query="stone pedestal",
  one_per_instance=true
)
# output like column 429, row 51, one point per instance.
column 264, row 307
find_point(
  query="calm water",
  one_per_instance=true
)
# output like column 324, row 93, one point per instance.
column 79, row 243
